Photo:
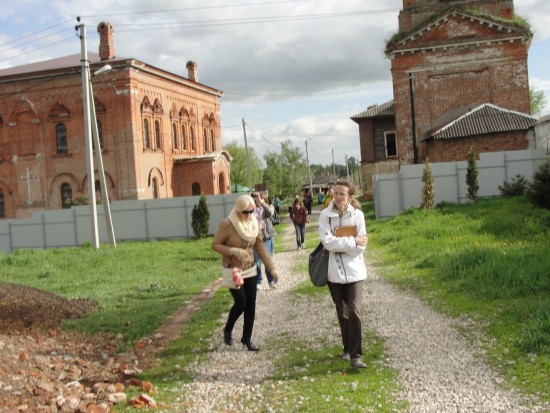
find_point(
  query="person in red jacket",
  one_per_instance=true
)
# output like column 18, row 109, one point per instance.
column 299, row 216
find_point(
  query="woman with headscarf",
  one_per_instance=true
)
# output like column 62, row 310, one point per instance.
column 235, row 239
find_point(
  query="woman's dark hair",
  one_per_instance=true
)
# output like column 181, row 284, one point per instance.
column 351, row 192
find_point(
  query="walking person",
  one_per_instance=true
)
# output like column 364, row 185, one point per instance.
column 263, row 212
column 277, row 205
column 346, row 269
column 235, row 239
column 328, row 198
column 299, row 217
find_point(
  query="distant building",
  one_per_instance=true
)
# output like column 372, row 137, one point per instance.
column 459, row 72
column 160, row 132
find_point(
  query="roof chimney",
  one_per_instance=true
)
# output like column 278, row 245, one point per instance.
column 106, row 44
column 192, row 71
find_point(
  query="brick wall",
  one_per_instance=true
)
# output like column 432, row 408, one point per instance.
column 29, row 129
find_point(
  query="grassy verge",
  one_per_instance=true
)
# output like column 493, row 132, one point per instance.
column 136, row 285
column 490, row 262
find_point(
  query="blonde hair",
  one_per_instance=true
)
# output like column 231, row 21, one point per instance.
column 351, row 192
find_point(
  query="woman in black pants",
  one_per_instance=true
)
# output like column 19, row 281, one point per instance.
column 235, row 239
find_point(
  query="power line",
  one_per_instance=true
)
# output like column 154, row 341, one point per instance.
column 243, row 20
column 223, row 6
column 260, row 135
column 37, row 48
column 38, row 32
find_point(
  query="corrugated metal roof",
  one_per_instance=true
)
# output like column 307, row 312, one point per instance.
column 384, row 109
column 480, row 120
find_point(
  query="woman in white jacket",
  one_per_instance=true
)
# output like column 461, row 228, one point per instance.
column 346, row 269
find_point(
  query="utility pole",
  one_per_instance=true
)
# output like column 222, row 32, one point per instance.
column 99, row 158
column 88, row 135
column 247, row 159
column 309, row 169
column 347, row 167
column 333, row 165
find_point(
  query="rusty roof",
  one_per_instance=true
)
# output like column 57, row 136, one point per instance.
column 479, row 119
column 374, row 111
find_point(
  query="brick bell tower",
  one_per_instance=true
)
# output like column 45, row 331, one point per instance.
column 416, row 11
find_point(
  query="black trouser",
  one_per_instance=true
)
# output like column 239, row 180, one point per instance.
column 348, row 299
column 245, row 302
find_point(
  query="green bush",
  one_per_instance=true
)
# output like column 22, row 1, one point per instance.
column 471, row 175
column 200, row 216
column 517, row 187
column 538, row 191
column 428, row 193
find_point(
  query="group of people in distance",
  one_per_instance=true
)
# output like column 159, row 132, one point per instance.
column 245, row 240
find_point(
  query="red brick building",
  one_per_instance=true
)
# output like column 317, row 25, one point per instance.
column 160, row 132
column 449, row 56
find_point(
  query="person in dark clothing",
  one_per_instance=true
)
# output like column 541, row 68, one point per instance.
column 299, row 217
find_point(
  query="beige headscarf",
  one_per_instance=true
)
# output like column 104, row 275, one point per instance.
column 247, row 229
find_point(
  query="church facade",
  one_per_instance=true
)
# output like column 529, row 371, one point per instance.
column 453, row 63
column 159, row 132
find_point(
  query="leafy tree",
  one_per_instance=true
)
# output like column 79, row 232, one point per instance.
column 471, row 175
column 239, row 165
column 274, row 173
column 286, row 171
column 428, row 193
column 200, row 217
column 538, row 192
column 537, row 100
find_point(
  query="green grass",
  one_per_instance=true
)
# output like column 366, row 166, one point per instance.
column 136, row 285
column 489, row 261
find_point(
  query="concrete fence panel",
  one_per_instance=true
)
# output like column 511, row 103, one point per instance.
column 394, row 193
column 133, row 220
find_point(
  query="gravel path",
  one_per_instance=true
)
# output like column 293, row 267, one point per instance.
column 438, row 371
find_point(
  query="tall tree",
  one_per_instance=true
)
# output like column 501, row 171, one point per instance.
column 287, row 171
column 239, row 165
column 471, row 175
column 428, row 194
column 537, row 100
column 274, row 173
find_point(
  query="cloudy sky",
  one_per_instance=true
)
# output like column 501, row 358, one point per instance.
column 291, row 69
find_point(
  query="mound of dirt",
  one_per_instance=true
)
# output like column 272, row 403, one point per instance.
column 23, row 307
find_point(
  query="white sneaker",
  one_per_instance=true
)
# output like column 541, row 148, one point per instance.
column 272, row 285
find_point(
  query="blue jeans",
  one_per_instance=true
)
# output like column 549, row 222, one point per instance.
column 270, row 245
column 300, row 234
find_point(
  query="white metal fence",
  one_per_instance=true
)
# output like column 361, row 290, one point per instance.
column 394, row 193
column 132, row 221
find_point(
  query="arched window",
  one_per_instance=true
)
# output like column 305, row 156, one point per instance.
column 66, row 195
column 175, row 142
column 192, row 137
column 97, row 187
column 155, row 188
column 205, row 140
column 212, row 140
column 146, row 135
column 2, row 208
column 195, row 188
column 221, row 184
column 183, row 138
column 100, row 133
column 157, row 134
column 61, row 138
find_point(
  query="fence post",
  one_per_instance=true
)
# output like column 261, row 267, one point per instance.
column 400, row 189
